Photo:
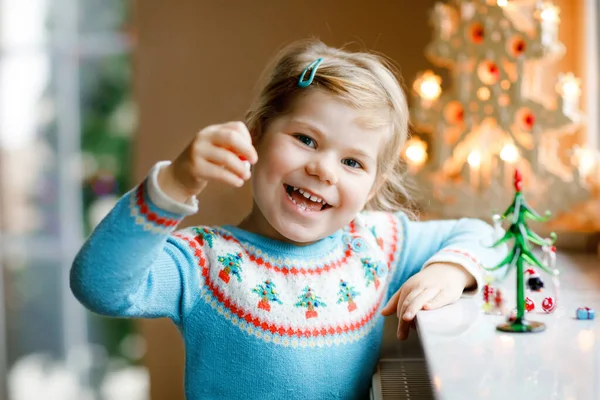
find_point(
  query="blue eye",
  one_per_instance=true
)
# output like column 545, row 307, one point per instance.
column 351, row 163
column 306, row 140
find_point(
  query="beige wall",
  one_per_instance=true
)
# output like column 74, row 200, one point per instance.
column 197, row 63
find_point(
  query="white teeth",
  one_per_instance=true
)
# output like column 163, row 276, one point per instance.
column 309, row 196
column 302, row 206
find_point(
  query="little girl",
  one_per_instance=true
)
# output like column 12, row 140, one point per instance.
column 288, row 303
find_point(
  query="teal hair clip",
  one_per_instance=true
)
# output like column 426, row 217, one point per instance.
column 313, row 65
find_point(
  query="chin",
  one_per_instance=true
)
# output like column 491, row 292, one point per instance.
column 297, row 233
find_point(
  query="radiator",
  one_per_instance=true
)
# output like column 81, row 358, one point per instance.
column 401, row 379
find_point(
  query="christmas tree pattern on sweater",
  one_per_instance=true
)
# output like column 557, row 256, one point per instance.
column 232, row 264
column 267, row 295
column 347, row 294
column 311, row 302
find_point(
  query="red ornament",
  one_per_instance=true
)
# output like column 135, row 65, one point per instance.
column 488, row 293
column 488, row 72
column 529, row 305
column 477, row 33
column 548, row 305
column 525, row 119
column 498, row 300
column 454, row 113
column 518, row 180
column 528, row 121
column 516, row 46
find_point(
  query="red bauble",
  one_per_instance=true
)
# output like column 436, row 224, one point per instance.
column 476, row 33
column 548, row 305
column 529, row 305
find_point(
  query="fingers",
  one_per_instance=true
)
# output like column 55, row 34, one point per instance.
column 443, row 298
column 221, row 152
column 235, row 137
column 217, row 172
column 413, row 304
column 227, row 159
column 409, row 308
column 390, row 307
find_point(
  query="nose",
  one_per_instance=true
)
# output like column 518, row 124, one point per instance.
column 324, row 168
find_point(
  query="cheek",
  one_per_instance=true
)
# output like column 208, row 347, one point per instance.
column 356, row 191
column 278, row 161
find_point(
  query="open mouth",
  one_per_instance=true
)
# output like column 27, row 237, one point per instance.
column 305, row 200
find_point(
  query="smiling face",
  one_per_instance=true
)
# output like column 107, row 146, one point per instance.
column 316, row 169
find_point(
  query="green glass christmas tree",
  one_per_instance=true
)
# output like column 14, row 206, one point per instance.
column 521, row 255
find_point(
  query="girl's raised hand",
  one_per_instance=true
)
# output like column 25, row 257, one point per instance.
column 217, row 153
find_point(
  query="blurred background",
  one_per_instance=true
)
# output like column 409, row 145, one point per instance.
column 94, row 92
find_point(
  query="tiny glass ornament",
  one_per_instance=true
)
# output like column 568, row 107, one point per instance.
column 534, row 282
column 493, row 301
column 529, row 304
column 585, row 313
column 499, row 301
column 548, row 305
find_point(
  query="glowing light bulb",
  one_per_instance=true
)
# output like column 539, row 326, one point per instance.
column 502, row 3
column 549, row 13
column 416, row 152
column 586, row 162
column 568, row 86
column 509, row 153
column 474, row 159
column 428, row 85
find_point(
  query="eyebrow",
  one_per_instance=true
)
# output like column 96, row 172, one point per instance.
column 356, row 151
column 308, row 126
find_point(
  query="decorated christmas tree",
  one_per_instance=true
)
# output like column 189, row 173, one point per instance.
column 521, row 256
column 347, row 294
column 372, row 270
column 310, row 301
column 267, row 295
column 232, row 264
column 499, row 113
column 205, row 234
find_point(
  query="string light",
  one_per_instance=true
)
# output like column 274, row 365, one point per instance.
column 428, row 85
column 416, row 152
column 474, row 159
column 509, row 153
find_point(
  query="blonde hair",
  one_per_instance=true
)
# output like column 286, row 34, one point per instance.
column 363, row 80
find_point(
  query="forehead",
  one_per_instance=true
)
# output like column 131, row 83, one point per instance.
column 340, row 122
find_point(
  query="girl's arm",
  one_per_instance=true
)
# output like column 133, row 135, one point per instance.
column 130, row 266
column 465, row 242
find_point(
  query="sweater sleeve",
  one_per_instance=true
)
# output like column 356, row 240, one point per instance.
column 131, row 265
column 466, row 242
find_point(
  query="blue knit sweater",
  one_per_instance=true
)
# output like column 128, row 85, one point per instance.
column 263, row 319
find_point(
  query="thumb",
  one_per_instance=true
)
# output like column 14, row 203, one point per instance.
column 391, row 306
